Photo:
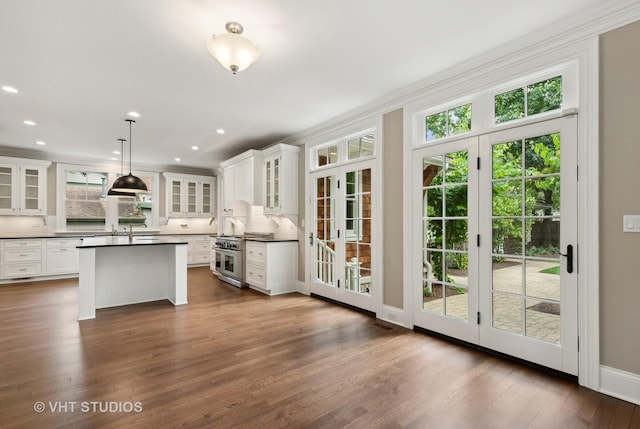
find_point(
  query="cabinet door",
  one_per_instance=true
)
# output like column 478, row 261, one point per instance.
column 191, row 203
column 276, row 183
column 63, row 260
column 32, row 189
column 228, row 187
column 206, row 198
column 8, row 188
column 268, row 184
column 175, row 197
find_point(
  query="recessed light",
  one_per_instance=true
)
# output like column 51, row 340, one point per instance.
column 178, row 159
column 134, row 114
column 116, row 152
column 114, row 159
column 194, row 148
column 28, row 122
column 10, row 89
column 41, row 143
column 220, row 131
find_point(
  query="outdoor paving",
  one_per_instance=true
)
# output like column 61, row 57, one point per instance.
column 539, row 320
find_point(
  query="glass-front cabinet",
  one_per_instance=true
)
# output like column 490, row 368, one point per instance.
column 23, row 186
column 189, row 196
column 280, row 192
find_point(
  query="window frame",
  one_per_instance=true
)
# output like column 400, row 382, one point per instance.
column 111, row 209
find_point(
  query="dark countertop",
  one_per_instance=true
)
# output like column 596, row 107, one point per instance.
column 95, row 234
column 270, row 240
column 111, row 241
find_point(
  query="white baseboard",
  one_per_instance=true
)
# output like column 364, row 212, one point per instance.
column 393, row 315
column 620, row 384
column 302, row 288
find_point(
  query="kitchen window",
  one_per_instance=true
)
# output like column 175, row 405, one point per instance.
column 83, row 203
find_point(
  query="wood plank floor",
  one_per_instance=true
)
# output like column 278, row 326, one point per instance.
column 239, row 359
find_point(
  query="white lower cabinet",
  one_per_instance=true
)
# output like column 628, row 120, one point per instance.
column 272, row 267
column 62, row 256
column 21, row 258
column 198, row 248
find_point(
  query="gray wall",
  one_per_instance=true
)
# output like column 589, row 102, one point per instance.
column 619, row 195
column 392, row 211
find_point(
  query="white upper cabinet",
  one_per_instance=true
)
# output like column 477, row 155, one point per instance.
column 280, row 183
column 242, row 178
column 23, row 186
column 189, row 195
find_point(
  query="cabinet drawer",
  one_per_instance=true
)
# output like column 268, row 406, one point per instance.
column 22, row 270
column 256, row 252
column 22, row 255
column 201, row 247
column 61, row 242
column 22, row 244
column 256, row 276
column 201, row 258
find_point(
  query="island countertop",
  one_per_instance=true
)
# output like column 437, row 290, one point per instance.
column 141, row 240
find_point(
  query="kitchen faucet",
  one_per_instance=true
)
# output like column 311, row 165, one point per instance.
column 131, row 230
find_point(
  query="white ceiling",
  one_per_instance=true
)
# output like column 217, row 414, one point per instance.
column 81, row 65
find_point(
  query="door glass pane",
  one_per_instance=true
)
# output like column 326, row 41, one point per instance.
column 324, row 244
column 526, row 237
column 358, row 230
column 445, row 237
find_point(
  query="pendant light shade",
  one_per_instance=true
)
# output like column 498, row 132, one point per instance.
column 232, row 50
column 128, row 184
column 112, row 192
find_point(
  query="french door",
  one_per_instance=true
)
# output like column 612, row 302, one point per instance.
column 496, row 221
column 343, row 236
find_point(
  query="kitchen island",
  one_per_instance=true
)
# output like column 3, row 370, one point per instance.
column 119, row 270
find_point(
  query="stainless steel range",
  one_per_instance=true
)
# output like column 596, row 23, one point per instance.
column 230, row 260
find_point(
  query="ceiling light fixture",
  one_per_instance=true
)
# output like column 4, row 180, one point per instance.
column 129, row 183
column 178, row 159
column 28, row 122
column 10, row 89
column 41, row 143
column 220, row 131
column 112, row 191
column 134, row 114
column 232, row 50
column 194, row 148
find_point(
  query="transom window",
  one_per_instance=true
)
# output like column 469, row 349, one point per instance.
column 360, row 147
column 536, row 98
column 350, row 148
column 448, row 122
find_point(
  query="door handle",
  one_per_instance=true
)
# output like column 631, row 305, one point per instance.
column 569, row 256
column 311, row 239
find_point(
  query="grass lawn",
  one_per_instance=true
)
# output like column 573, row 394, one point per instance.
column 552, row 270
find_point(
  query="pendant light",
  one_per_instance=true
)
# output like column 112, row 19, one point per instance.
column 129, row 183
column 118, row 193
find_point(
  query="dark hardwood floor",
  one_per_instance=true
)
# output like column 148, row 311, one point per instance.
column 239, row 359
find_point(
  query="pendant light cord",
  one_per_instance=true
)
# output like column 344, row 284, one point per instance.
column 122, row 156
column 130, row 142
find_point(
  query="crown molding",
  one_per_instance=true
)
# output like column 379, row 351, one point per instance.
column 469, row 75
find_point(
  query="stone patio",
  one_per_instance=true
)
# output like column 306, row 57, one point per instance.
column 542, row 318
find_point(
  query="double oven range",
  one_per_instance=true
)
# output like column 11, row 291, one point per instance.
column 229, row 251
column 230, row 260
